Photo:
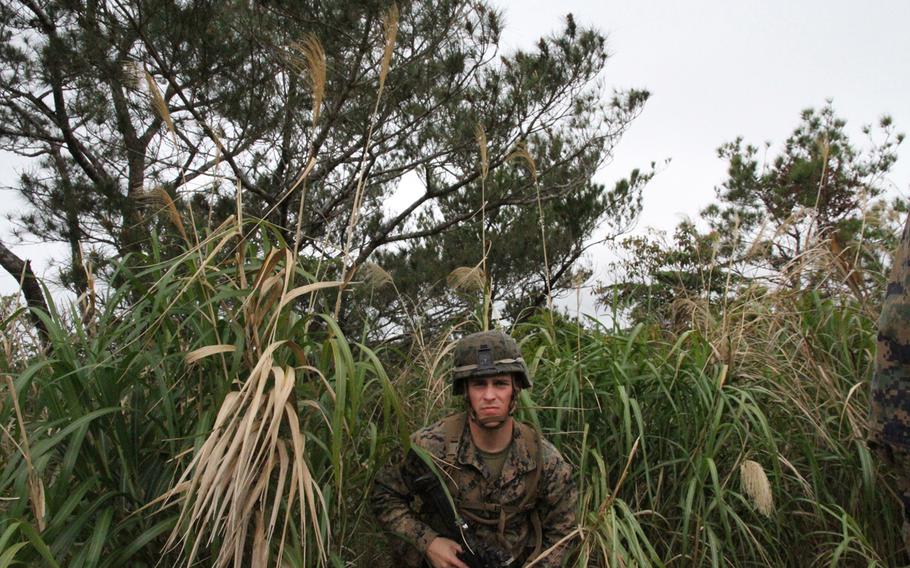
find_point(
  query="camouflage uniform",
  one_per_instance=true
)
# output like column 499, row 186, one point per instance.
column 890, row 424
column 469, row 482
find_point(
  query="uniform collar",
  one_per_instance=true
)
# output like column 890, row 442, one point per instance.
column 518, row 461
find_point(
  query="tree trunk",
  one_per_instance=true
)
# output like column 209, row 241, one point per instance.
column 73, row 230
column 21, row 270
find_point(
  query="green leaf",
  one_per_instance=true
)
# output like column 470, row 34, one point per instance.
column 9, row 554
column 46, row 444
column 39, row 544
column 8, row 533
column 99, row 536
column 139, row 542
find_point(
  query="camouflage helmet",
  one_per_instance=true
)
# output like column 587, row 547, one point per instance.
column 485, row 354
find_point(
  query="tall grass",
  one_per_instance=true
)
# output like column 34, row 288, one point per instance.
column 209, row 418
column 745, row 435
column 205, row 415
column 207, row 407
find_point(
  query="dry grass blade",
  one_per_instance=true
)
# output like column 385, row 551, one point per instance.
column 35, row 485
column 266, row 269
column 466, row 278
column 543, row 555
column 374, row 275
column 301, row 290
column 851, row 272
column 161, row 198
column 521, row 154
column 481, row 138
column 428, row 355
column 305, row 484
column 37, row 500
column 625, row 471
column 207, row 351
column 229, row 491
column 807, row 487
column 300, row 180
column 390, row 29
column 756, row 485
column 88, row 299
column 260, row 544
column 159, row 105
column 390, row 22
column 314, row 67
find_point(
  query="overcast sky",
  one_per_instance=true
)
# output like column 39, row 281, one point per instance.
column 716, row 70
column 721, row 69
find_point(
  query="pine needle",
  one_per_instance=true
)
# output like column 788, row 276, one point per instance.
column 390, row 22
column 134, row 74
column 522, row 154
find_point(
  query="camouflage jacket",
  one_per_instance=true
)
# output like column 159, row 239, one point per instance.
column 890, row 422
column 469, row 481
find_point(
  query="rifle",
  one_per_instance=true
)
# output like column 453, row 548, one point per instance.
column 430, row 488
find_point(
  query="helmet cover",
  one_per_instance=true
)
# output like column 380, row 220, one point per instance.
column 485, row 354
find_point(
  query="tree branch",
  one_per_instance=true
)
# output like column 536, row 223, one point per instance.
column 21, row 270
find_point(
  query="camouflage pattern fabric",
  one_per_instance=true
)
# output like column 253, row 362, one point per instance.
column 400, row 512
column 488, row 353
column 890, row 417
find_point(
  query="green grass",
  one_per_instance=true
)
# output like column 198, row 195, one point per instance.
column 700, row 403
column 121, row 428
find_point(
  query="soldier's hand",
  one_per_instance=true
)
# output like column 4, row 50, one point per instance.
column 443, row 553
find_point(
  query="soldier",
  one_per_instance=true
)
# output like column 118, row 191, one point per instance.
column 511, row 486
column 890, row 424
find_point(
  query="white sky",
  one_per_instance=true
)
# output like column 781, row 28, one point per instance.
column 716, row 70
column 721, row 69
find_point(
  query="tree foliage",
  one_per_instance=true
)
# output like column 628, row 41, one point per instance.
column 292, row 107
column 813, row 216
column 820, row 184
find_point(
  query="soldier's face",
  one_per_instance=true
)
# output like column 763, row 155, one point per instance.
column 490, row 396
